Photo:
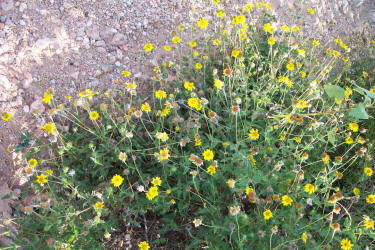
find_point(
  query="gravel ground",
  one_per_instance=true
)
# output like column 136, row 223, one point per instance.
column 68, row 45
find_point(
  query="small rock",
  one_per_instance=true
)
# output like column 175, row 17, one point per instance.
column 107, row 68
column 5, row 82
column 23, row 7
column 38, row 106
column 26, row 109
column 43, row 43
column 93, row 32
column 118, row 39
column 118, row 64
column 100, row 43
column 75, row 75
column 7, row 5
column 22, row 22
column 101, row 50
column 26, row 83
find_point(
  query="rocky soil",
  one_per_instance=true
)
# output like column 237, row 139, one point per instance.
column 69, row 45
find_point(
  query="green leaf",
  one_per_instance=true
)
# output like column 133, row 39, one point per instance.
column 335, row 91
column 359, row 112
column 363, row 91
column 7, row 196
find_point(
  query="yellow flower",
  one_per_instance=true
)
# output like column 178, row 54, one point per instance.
column 349, row 140
column 348, row 92
column 87, row 93
column 49, row 172
column 6, row 116
column 160, row 94
column 216, row 1
column 254, row 134
column 220, row 14
column 249, row 6
column 202, row 23
column 372, row 91
column 309, row 188
column 295, row 28
column 163, row 154
column 145, row 107
column 47, row 97
column 310, row 11
column 234, row 210
column 125, row 73
column 195, row 53
column 99, row 205
column 197, row 222
column 302, row 74
column 302, row 53
column 353, row 126
column 248, row 190
column 301, row 104
column 315, row 43
column 345, row 59
column 216, row 42
column 290, row 66
column 50, row 128
column 267, row 214
column 176, row 39
column 218, row 84
column 370, row 199
column 285, row 28
column 231, row 183
column 152, row 193
column 94, row 115
column 304, row 237
column 143, row 245
column 268, row 28
column 259, row 5
column 193, row 44
column 356, row 191
column 41, row 179
column 167, row 48
column 211, row 170
column 156, row 181
column 346, row 244
column 238, row 19
column 148, row 47
column 208, row 155
column 286, row 200
column 194, row 102
column 198, row 65
column 297, row 139
column 368, row 171
column 271, row 40
column 117, row 180
column 33, row 162
column 236, row 53
column 268, row 6
column 368, row 223
column 365, row 74
column 122, row 156
column 198, row 142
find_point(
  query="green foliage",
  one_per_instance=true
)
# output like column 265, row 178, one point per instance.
column 212, row 152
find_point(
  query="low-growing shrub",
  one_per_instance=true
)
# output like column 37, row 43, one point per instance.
column 253, row 139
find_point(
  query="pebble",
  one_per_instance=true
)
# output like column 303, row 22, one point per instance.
column 22, row 22
column 26, row 109
column 23, row 7
column 4, row 82
column 26, row 83
column 118, row 39
column 7, row 5
column 118, row 64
